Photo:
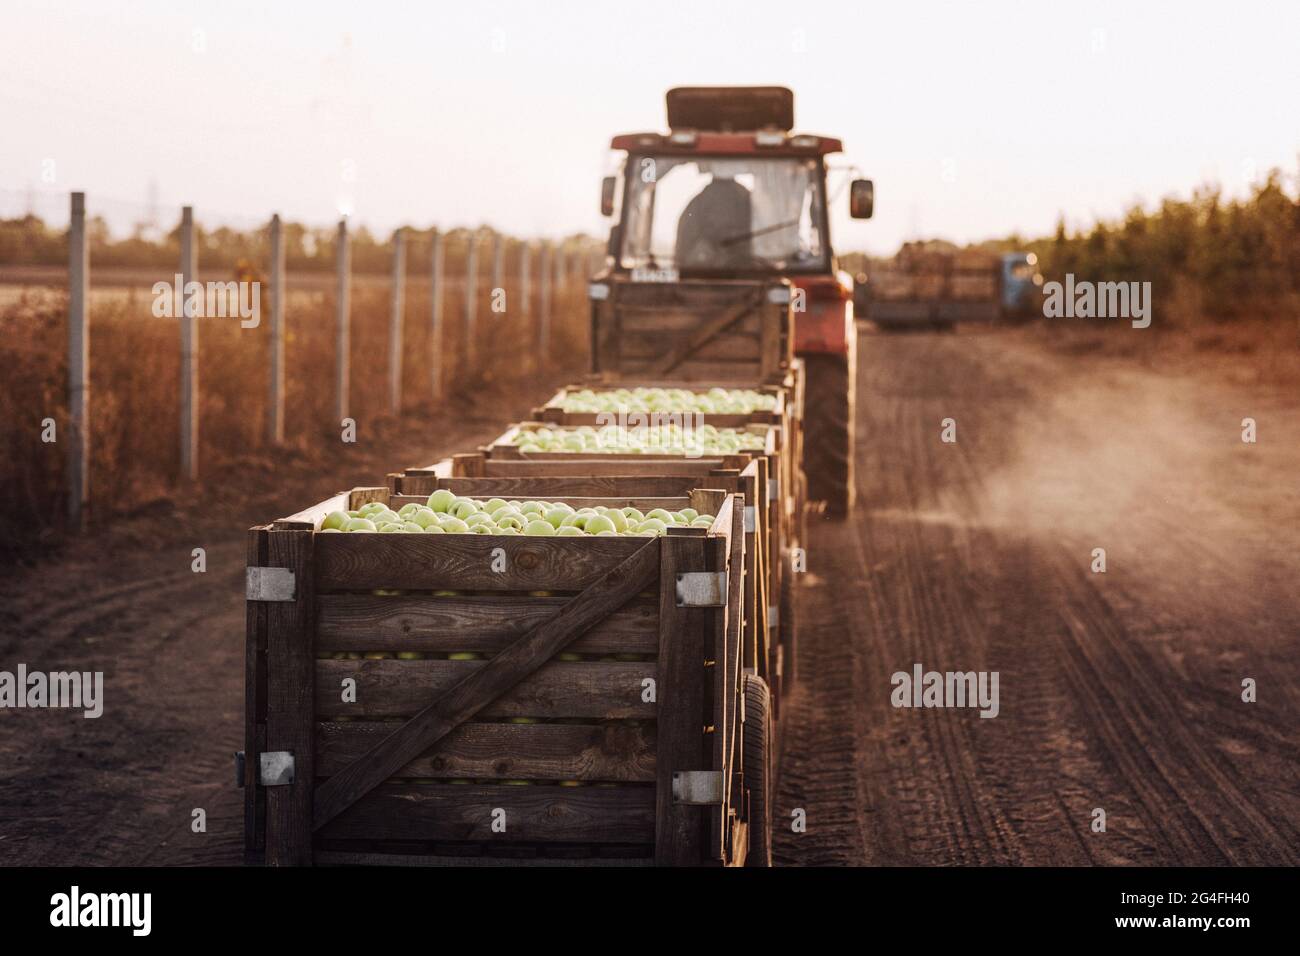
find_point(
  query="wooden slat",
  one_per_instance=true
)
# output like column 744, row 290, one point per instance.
column 735, row 346
column 426, row 562
column 310, row 518
column 481, row 623
column 610, row 751
column 718, row 557
column 255, row 702
column 290, row 717
column 644, row 504
column 696, row 372
column 579, row 689
column 373, row 858
column 651, row 321
column 730, row 687
column 605, row 465
column 679, row 829
column 406, row 811
column 564, row 486
column 481, row 686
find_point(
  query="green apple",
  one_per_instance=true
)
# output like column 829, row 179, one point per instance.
column 539, row 528
column 652, row 524
column 506, row 519
column 463, row 508
column 665, row 516
column 599, row 523
column 495, row 504
column 441, row 500
column 557, row 514
column 335, row 521
column 633, row 515
column 434, row 529
column 703, row 521
column 408, row 509
column 464, row 656
column 690, row 514
column 424, row 518
column 453, row 525
column 410, row 656
column 570, row 531
column 361, row 524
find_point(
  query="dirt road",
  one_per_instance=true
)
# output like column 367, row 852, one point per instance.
column 1119, row 690
column 122, row 788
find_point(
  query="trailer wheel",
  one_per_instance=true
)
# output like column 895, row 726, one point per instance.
column 756, row 738
column 828, row 430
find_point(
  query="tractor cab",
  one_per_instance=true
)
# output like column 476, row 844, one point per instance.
column 726, row 211
column 729, row 192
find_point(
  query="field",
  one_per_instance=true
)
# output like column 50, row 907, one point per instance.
column 135, row 362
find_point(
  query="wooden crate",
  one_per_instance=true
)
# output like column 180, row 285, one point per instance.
column 553, row 411
column 373, row 778
column 769, row 633
column 714, row 331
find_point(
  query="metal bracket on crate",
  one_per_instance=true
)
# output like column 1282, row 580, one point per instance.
column 269, row 584
column 773, row 488
column 275, row 768
column 702, row 589
column 698, row 788
column 773, row 615
column 751, row 519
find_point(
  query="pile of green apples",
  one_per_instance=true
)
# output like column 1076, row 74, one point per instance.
column 669, row 439
column 716, row 401
column 446, row 513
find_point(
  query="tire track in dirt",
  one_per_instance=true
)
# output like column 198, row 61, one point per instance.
column 1117, row 690
column 120, row 789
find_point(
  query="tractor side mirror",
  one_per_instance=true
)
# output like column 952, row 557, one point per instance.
column 862, row 198
column 607, row 186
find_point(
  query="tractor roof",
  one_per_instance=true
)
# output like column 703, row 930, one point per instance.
column 729, row 119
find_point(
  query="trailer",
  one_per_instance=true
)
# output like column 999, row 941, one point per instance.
column 482, row 699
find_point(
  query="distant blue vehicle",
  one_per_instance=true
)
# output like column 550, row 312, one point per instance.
column 928, row 288
column 1022, row 285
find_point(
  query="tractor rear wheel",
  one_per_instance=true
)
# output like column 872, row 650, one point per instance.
column 828, row 430
column 756, row 739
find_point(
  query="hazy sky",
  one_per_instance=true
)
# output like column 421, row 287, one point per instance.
column 974, row 119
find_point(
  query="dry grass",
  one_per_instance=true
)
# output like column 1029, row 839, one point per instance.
column 134, row 367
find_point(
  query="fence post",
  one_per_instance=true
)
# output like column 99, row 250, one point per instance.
column 544, row 269
column 525, row 284
column 189, row 351
column 395, row 323
column 561, row 270
column 343, row 266
column 275, row 423
column 471, row 295
column 435, row 333
column 78, row 363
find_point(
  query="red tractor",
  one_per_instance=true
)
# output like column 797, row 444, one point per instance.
column 726, row 203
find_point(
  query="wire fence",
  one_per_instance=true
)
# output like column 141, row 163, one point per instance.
column 140, row 374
